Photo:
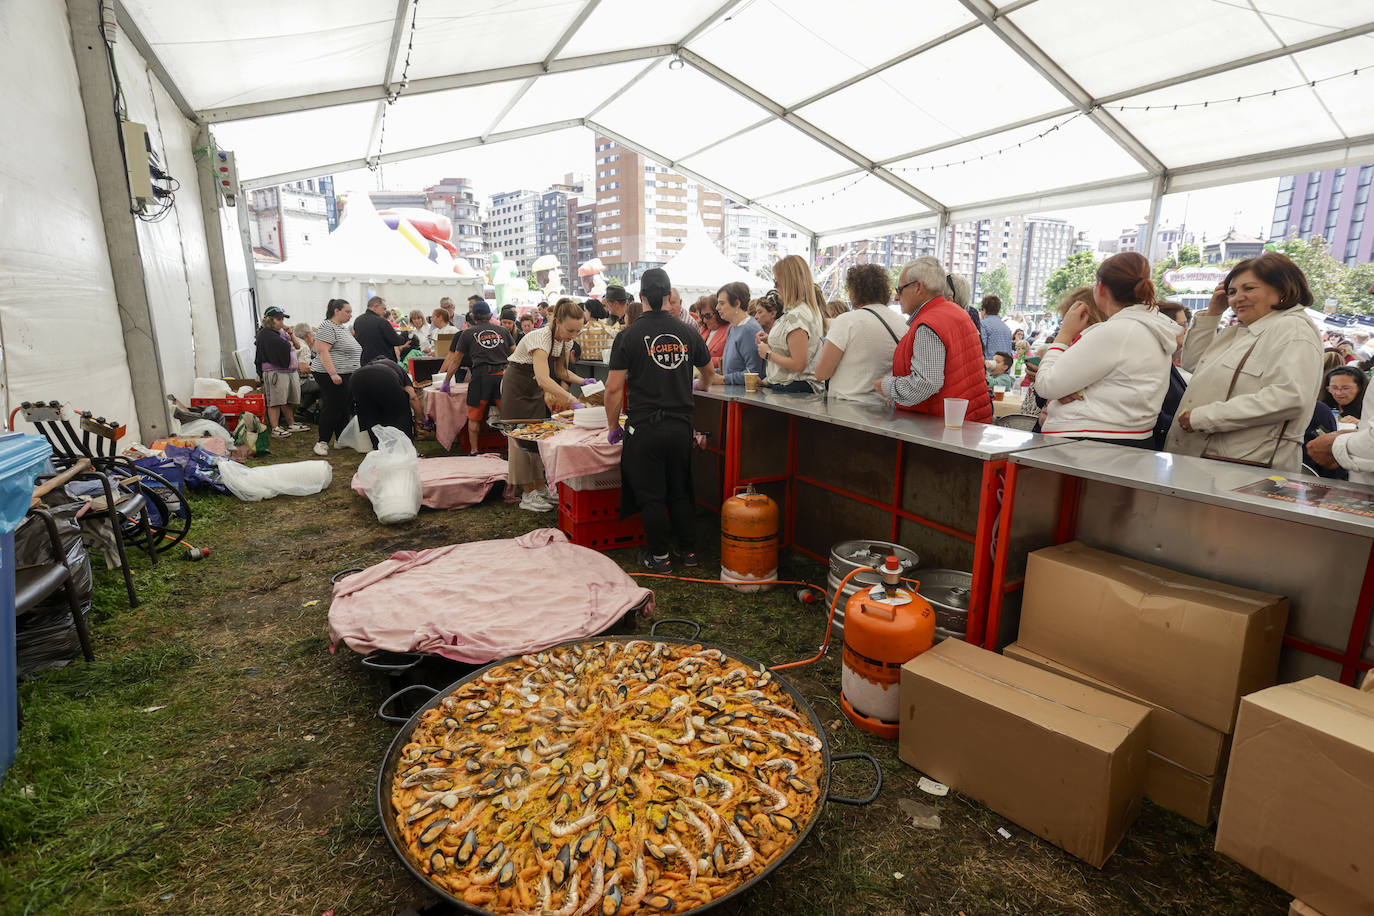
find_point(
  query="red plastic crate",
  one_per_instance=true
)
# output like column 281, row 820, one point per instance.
column 234, row 405
column 588, row 505
column 607, row 535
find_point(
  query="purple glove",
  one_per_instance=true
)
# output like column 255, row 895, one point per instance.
column 615, row 435
column 589, row 381
column 697, row 385
column 578, row 405
column 444, row 387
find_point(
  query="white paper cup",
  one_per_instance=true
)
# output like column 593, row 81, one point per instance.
column 955, row 408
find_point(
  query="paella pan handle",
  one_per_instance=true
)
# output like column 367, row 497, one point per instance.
column 334, row 579
column 877, row 786
column 402, row 720
column 696, row 627
column 392, row 662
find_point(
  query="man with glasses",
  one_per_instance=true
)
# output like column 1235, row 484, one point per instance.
column 941, row 355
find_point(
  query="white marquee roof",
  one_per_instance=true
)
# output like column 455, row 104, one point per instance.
column 842, row 119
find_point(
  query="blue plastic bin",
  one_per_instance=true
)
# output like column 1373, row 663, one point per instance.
column 21, row 459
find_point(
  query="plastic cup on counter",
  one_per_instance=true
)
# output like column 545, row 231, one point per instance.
column 955, row 408
column 751, row 381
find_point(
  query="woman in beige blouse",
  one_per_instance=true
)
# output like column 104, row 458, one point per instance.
column 1254, row 384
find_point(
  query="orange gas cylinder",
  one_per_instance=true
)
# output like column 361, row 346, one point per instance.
column 749, row 539
column 884, row 628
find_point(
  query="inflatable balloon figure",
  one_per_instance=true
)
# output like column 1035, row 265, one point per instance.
column 426, row 230
column 548, row 275
column 593, row 277
column 504, row 281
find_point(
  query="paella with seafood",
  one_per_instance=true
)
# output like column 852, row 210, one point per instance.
column 606, row 778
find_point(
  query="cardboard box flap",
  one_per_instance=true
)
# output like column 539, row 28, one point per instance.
column 1058, row 704
column 1146, row 578
column 1326, row 706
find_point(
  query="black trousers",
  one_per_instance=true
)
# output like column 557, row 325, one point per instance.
column 336, row 405
column 381, row 401
column 657, row 463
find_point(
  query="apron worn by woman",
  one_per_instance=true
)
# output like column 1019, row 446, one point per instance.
column 523, row 399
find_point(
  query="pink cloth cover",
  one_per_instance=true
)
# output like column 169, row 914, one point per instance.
column 448, row 411
column 483, row 600
column 576, row 452
column 454, row 483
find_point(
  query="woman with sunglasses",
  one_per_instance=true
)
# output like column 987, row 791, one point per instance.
column 713, row 330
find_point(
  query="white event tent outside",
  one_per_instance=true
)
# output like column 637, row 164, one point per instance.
column 844, row 121
column 699, row 269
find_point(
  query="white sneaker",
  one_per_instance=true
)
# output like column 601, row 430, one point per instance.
column 281, row 432
column 297, row 427
column 321, row 449
column 534, row 502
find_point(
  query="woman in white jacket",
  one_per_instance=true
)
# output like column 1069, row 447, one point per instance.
column 1109, row 384
column 1254, row 384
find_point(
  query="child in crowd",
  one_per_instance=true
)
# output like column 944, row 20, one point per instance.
column 1001, row 371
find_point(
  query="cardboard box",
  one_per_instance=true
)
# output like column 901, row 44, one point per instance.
column 444, row 343
column 1298, row 908
column 1198, row 798
column 1185, row 643
column 1299, row 800
column 1190, row 745
column 1062, row 760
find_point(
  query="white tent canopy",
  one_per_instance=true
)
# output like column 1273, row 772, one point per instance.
column 699, row 269
column 844, row 122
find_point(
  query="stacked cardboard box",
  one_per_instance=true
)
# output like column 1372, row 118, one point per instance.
column 1062, row 760
column 1186, row 647
column 1300, row 795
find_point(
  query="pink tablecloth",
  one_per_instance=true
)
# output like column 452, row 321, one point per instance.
column 576, row 452
column 448, row 411
column 455, row 483
column 483, row 600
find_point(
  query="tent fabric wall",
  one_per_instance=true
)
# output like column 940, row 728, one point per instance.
column 59, row 320
column 176, row 266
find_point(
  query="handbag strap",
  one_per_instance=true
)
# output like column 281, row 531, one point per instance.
column 888, row 328
column 1230, row 389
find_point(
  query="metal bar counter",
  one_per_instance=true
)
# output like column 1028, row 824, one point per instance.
column 1185, row 513
column 844, row 470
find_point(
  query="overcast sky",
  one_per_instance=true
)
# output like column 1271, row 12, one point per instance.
column 537, row 162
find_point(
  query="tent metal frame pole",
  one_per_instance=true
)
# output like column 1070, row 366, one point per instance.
column 95, row 82
column 208, row 188
column 700, row 179
column 376, row 93
column 246, row 241
column 398, row 31
column 145, row 50
column 570, row 32
column 514, row 100
column 779, row 112
column 1152, row 224
column 1030, row 52
column 414, row 153
column 719, row 13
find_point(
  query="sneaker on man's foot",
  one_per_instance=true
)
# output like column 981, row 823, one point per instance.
column 281, row 432
column 321, row 449
column 297, row 427
column 690, row 559
column 653, row 563
column 533, row 502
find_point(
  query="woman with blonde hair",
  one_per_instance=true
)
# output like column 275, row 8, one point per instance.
column 791, row 348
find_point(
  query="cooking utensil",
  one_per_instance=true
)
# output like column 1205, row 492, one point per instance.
column 392, row 756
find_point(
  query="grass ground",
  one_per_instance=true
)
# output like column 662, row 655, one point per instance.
column 218, row 758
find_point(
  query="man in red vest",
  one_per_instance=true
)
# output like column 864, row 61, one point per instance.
column 941, row 355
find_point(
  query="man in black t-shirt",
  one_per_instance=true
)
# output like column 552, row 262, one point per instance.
column 654, row 357
column 485, row 347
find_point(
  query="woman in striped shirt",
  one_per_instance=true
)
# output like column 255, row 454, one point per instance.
column 336, row 358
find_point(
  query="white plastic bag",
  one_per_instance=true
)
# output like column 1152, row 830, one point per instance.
column 198, row 428
column 210, row 388
column 353, row 437
column 299, row 478
column 390, row 476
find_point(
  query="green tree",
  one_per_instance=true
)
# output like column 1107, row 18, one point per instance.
column 1188, row 255
column 996, row 283
column 1324, row 273
column 532, row 283
column 1355, row 294
column 1079, row 270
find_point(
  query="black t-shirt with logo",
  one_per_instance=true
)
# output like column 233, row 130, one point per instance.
column 658, row 353
column 485, row 344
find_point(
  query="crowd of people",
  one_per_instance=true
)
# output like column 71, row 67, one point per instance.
column 1263, row 388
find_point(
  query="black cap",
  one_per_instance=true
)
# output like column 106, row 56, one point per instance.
column 275, row 312
column 654, row 284
column 481, row 310
column 616, row 293
column 508, row 313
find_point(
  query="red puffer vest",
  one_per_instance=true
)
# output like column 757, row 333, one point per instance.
column 965, row 375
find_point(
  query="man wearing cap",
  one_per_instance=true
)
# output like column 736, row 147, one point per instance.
column 280, row 372
column 616, row 300
column 485, row 347
column 654, row 358
column 375, row 334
